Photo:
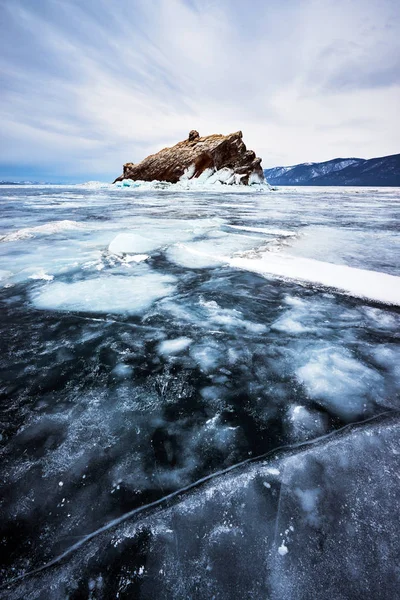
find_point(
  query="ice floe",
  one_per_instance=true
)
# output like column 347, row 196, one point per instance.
column 131, row 243
column 113, row 294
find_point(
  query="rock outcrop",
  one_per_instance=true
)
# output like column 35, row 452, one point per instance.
column 210, row 159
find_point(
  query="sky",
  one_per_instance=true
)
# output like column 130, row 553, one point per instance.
column 87, row 85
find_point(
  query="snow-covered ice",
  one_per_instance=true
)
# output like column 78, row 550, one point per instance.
column 361, row 283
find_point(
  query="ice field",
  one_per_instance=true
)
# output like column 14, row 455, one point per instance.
column 200, row 392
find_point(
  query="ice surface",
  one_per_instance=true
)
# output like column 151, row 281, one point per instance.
column 372, row 285
column 304, row 537
column 46, row 229
column 114, row 294
column 174, row 346
column 41, row 274
column 193, row 371
column 192, row 257
column 337, row 380
column 266, row 230
column 304, row 423
column 131, row 243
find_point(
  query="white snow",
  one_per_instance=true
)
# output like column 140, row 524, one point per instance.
column 188, row 173
column 266, row 230
column 114, row 294
column 372, row 285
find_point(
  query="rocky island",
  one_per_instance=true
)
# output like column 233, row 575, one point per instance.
column 213, row 158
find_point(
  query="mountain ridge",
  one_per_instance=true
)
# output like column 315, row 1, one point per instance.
column 380, row 171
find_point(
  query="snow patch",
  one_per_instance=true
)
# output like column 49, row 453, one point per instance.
column 360, row 283
column 266, row 230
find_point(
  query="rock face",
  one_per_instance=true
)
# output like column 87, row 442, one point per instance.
column 210, row 159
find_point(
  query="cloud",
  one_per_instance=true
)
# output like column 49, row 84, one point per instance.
column 90, row 85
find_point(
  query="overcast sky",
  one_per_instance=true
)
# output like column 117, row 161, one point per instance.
column 87, row 85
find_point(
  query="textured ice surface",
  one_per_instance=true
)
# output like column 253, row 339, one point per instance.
column 313, row 532
column 115, row 294
column 129, row 376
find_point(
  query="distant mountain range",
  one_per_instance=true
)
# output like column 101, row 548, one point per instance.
column 383, row 171
column 19, row 183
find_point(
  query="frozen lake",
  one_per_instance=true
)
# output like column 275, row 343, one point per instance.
column 200, row 392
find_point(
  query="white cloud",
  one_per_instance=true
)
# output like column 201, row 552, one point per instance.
column 92, row 85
